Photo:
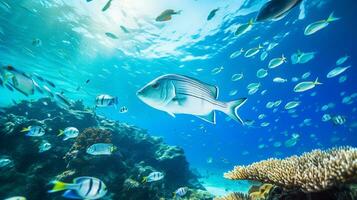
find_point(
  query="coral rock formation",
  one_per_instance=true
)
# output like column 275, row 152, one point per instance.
column 311, row 172
column 138, row 154
column 85, row 139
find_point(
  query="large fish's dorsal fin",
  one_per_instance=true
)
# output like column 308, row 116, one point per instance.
column 172, row 94
column 211, row 117
column 214, row 91
column 71, row 194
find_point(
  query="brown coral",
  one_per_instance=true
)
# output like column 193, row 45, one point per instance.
column 311, row 172
column 130, row 184
column 260, row 192
column 87, row 138
column 234, row 196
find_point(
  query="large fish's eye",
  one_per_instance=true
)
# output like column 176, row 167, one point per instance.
column 155, row 85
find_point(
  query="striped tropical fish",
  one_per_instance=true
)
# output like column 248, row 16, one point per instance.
column 182, row 191
column 69, row 132
column 153, row 176
column 339, row 120
column 82, row 188
column 34, row 131
column 105, row 100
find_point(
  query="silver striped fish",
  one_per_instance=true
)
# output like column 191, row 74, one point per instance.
column 105, row 100
column 153, row 176
column 177, row 94
column 34, row 131
column 182, row 191
column 339, row 120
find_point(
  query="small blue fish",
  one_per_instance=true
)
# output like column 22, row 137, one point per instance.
column 212, row 14
column 81, row 188
column 111, row 35
column 107, row 5
column 34, row 131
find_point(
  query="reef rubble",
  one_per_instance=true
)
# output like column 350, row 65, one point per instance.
column 137, row 155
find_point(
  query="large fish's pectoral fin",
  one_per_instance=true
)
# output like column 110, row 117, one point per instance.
column 71, row 194
column 179, row 100
column 211, row 117
column 171, row 94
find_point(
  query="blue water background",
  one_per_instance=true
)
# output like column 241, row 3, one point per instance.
column 227, row 143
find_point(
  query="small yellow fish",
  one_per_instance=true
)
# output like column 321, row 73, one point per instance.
column 316, row 26
column 308, row 85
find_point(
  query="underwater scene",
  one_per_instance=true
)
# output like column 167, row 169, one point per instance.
column 178, row 99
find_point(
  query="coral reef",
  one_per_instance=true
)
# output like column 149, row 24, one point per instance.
column 344, row 192
column 138, row 155
column 311, row 172
column 256, row 192
column 271, row 192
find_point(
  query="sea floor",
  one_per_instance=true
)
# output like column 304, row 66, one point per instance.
column 219, row 186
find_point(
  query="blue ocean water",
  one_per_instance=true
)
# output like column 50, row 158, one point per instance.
column 74, row 48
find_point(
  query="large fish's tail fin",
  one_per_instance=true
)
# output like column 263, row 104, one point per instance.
column 332, row 18
column 251, row 21
column 232, row 109
column 58, row 186
column 317, row 81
